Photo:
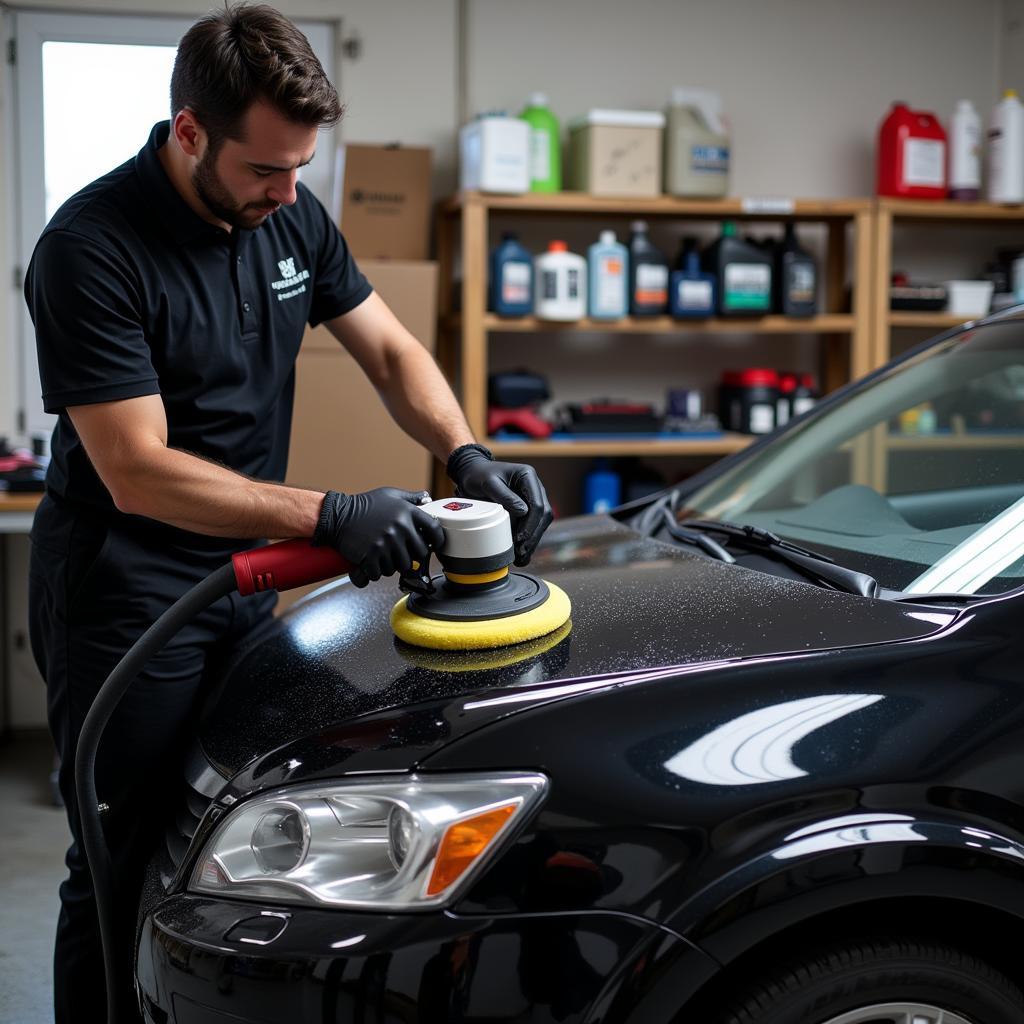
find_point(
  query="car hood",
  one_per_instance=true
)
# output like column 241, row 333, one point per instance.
column 638, row 606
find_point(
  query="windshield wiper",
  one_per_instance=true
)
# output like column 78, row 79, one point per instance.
column 818, row 567
column 708, row 545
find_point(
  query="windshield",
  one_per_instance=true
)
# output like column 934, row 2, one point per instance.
column 916, row 479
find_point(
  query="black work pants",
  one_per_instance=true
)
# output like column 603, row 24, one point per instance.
column 94, row 588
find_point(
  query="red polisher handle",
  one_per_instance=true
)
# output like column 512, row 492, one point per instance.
column 287, row 564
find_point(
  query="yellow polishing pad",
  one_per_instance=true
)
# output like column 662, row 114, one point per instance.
column 475, row 634
column 486, row 659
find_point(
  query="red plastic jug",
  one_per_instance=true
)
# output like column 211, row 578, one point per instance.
column 911, row 155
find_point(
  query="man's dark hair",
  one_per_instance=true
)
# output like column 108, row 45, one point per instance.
column 244, row 53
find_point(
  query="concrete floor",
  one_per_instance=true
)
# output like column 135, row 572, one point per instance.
column 33, row 838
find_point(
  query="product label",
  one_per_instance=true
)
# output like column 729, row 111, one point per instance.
column 610, row 297
column 782, row 411
column 709, row 159
column 651, row 285
column 694, row 295
column 801, row 283
column 549, row 284
column 762, row 418
column 573, row 283
column 924, row 162
column 747, row 286
column 768, row 204
column 801, row 405
column 515, row 283
column 965, row 159
column 540, row 155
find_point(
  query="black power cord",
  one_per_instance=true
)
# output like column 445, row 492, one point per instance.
column 218, row 584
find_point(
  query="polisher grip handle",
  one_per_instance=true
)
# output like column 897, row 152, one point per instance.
column 285, row 565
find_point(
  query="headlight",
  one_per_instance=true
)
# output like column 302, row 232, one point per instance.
column 374, row 843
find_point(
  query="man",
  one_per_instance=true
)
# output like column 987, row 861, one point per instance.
column 167, row 333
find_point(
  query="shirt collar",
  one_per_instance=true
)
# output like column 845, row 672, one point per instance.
column 184, row 224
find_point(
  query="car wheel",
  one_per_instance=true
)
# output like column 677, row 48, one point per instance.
column 878, row 981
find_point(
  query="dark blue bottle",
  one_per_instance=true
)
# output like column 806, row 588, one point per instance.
column 510, row 288
column 691, row 293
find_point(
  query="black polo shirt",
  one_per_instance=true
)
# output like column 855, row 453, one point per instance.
column 132, row 293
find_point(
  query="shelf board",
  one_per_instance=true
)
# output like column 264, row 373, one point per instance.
column 907, row 319
column 826, row 323
column 948, row 209
column 663, row 206
column 696, row 446
column 19, row 501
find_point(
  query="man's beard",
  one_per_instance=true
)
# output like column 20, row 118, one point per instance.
column 220, row 202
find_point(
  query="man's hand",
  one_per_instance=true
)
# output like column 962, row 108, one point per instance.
column 380, row 532
column 511, row 484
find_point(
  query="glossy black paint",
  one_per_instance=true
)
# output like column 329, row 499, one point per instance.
column 421, row 969
column 734, row 759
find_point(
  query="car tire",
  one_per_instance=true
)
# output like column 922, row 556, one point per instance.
column 871, row 981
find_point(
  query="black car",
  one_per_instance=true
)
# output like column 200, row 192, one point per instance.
column 772, row 771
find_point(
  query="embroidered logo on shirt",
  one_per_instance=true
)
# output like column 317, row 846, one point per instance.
column 291, row 280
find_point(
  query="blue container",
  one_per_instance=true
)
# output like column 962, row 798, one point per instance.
column 691, row 293
column 602, row 488
column 608, row 270
column 510, row 288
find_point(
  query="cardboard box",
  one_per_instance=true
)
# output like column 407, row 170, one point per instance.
column 616, row 153
column 494, row 155
column 334, row 398
column 384, row 205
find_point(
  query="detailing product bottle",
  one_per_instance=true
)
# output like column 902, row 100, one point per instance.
column 911, row 155
column 806, row 394
column 965, row 152
column 608, row 291
column 696, row 145
column 602, row 488
column 744, row 274
column 511, row 280
column 1006, row 151
column 796, row 278
column 545, row 147
column 561, row 284
column 691, row 292
column 648, row 274
column 748, row 399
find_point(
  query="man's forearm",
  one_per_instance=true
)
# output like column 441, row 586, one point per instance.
column 187, row 491
column 422, row 404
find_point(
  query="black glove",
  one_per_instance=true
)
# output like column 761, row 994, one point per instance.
column 511, row 484
column 380, row 532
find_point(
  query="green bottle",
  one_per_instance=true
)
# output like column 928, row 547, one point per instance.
column 545, row 146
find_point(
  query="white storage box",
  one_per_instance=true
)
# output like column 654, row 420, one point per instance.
column 616, row 153
column 494, row 155
column 969, row 298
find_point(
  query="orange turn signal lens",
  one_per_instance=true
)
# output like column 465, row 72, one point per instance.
column 463, row 842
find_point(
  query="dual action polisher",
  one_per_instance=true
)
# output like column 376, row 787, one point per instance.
column 477, row 601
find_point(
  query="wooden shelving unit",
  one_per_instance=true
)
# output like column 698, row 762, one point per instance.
column 463, row 223
column 889, row 213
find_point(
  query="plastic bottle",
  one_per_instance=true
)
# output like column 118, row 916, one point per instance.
column 560, row 284
column 511, row 280
column 608, row 291
column 545, row 145
column 795, row 277
column 602, row 488
column 696, row 145
column 1006, row 150
column 648, row 274
column 911, row 155
column 743, row 272
column 691, row 292
column 965, row 152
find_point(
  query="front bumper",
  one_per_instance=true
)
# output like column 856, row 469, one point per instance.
column 198, row 965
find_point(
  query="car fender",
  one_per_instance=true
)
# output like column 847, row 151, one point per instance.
column 844, row 862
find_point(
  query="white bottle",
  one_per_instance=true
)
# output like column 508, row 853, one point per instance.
column 1006, row 150
column 560, row 291
column 965, row 152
